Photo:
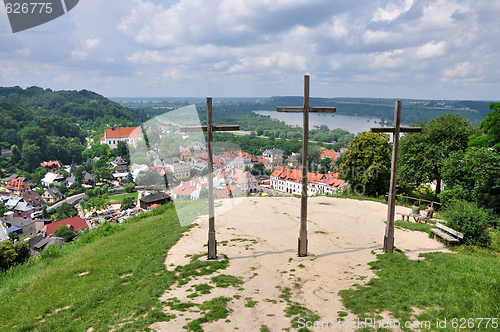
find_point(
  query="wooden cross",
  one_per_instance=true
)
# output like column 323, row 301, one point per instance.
column 302, row 245
column 389, row 229
column 209, row 129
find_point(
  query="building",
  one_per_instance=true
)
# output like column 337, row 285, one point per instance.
column 180, row 170
column 17, row 187
column 51, row 166
column 52, row 195
column 121, row 166
column 290, row 181
column 53, row 178
column 154, row 198
column 332, row 154
column 275, row 156
column 129, row 135
column 33, row 199
column 240, row 179
column 187, row 157
column 74, row 223
column 24, row 226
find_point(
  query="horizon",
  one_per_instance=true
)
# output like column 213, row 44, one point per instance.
column 432, row 50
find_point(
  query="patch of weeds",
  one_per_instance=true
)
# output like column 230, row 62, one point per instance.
column 250, row 303
column 253, row 268
column 342, row 313
column 201, row 268
column 290, row 259
column 301, row 266
column 217, row 309
column 184, row 281
column 227, row 321
column 361, row 278
column 321, row 232
column 296, row 285
column 223, row 243
column 264, row 328
column 243, row 240
column 203, row 288
column 237, row 297
column 253, row 275
column 178, row 305
column 192, row 296
column 292, row 270
column 224, row 281
column 297, row 310
column 271, row 301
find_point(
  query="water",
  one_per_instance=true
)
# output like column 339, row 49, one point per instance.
column 353, row 124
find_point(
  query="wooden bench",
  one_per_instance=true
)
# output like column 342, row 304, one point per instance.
column 408, row 215
column 447, row 237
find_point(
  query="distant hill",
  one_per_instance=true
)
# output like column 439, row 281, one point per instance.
column 413, row 111
column 89, row 109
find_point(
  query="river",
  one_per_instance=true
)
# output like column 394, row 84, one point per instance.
column 353, row 124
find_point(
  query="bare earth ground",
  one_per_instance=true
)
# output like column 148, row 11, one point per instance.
column 343, row 236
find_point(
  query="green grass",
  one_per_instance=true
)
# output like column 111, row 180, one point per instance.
column 461, row 285
column 124, row 277
column 119, row 198
column 422, row 227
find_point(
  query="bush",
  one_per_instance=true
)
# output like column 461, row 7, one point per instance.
column 129, row 187
column 467, row 218
column 65, row 232
column 105, row 230
column 50, row 252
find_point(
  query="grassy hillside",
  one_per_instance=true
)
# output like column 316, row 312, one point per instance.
column 113, row 282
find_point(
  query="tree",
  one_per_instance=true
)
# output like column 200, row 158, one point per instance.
column 366, row 165
column 473, row 175
column 65, row 211
column 79, row 175
column 491, row 127
column 258, row 169
column 15, row 156
column 421, row 155
column 129, row 187
column 3, row 209
column 151, row 179
column 128, row 203
column 130, row 178
column 313, row 154
column 65, row 232
column 7, row 255
column 31, row 156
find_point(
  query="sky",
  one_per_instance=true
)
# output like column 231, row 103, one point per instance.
column 429, row 49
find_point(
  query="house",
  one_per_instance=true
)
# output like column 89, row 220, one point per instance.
column 275, row 155
column 51, row 166
column 129, row 135
column 17, row 187
column 88, row 179
column 290, row 181
column 33, row 199
column 187, row 157
column 9, row 178
column 40, row 242
column 52, row 195
column 154, row 198
column 292, row 161
column 53, row 178
column 242, row 180
column 332, row 154
column 180, row 170
column 24, row 226
column 74, row 223
column 121, row 166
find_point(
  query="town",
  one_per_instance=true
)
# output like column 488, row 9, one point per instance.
column 181, row 176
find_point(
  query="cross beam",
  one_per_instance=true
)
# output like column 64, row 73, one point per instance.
column 209, row 129
column 389, row 229
column 302, row 245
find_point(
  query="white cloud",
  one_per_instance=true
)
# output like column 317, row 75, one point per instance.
column 91, row 43
column 460, row 70
column 432, row 50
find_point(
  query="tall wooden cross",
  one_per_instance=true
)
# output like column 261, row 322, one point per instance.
column 302, row 245
column 209, row 129
column 389, row 229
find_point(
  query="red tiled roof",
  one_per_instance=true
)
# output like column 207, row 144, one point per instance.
column 50, row 164
column 76, row 222
column 185, row 153
column 16, row 185
column 123, row 132
column 332, row 154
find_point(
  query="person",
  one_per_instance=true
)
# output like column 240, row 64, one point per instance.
column 415, row 210
column 429, row 212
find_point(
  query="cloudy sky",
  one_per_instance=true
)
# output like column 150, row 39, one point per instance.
column 429, row 49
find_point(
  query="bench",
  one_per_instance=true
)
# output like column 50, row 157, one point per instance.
column 447, row 237
column 408, row 215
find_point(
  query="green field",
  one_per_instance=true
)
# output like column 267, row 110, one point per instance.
column 119, row 198
column 114, row 280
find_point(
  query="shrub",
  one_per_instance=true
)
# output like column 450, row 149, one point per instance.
column 467, row 218
column 65, row 232
column 50, row 252
column 105, row 230
column 129, row 187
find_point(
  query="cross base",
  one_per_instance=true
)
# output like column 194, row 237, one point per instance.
column 388, row 245
column 212, row 246
column 302, row 247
